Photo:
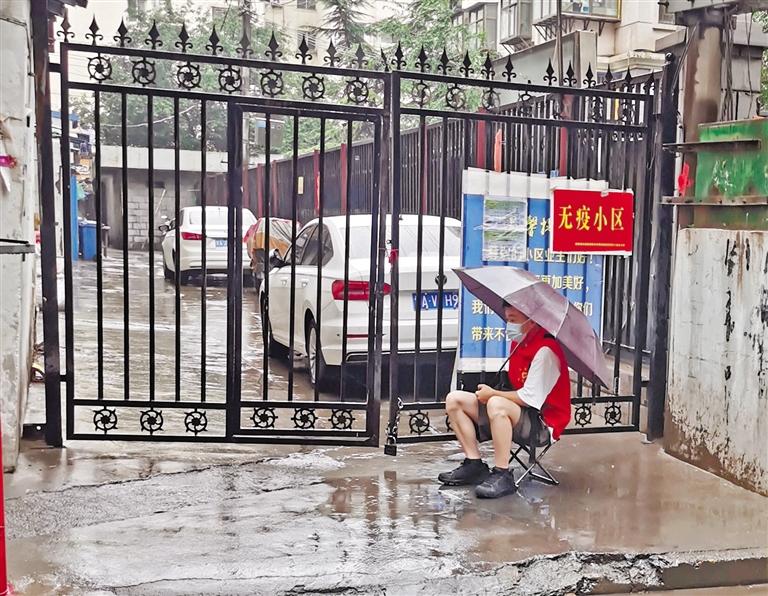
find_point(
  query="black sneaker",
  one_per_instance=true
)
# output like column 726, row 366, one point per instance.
column 498, row 484
column 471, row 471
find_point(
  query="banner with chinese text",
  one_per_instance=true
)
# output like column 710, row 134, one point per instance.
column 592, row 221
column 484, row 339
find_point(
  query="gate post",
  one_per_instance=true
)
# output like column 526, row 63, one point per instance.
column 662, row 249
column 47, row 223
column 234, row 205
column 390, row 447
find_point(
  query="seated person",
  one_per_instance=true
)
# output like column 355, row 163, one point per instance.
column 538, row 369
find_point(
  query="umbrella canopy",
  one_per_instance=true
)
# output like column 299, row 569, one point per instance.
column 546, row 307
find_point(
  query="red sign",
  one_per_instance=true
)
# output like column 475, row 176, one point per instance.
column 592, row 221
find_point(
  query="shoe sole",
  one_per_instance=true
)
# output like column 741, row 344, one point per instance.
column 509, row 491
column 471, row 483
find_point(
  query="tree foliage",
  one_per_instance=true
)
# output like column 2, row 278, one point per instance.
column 426, row 23
column 199, row 25
column 344, row 22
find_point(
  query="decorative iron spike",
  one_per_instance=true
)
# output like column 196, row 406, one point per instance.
column 332, row 59
column 122, row 36
column 445, row 63
column 649, row 84
column 154, row 37
column 590, row 80
column 304, row 54
column 214, row 47
column 94, row 34
column 509, row 70
column 244, row 49
column 487, row 70
column 273, row 53
column 466, row 66
column 65, row 32
column 360, row 60
column 422, row 60
column 183, row 44
column 384, row 60
column 399, row 60
column 570, row 79
column 628, row 78
column 608, row 75
column 549, row 77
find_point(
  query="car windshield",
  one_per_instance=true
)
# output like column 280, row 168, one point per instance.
column 360, row 240
column 217, row 216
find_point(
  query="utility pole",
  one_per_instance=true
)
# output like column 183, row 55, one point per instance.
column 559, row 41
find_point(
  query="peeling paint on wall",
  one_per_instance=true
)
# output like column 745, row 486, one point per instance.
column 717, row 408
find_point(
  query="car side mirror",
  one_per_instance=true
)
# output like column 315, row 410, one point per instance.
column 275, row 260
column 163, row 228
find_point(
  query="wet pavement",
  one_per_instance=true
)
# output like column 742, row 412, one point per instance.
column 180, row 519
column 112, row 517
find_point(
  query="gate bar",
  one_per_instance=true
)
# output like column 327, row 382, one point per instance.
column 48, row 223
column 126, row 290
column 204, row 242
column 234, row 195
column 99, row 250
column 151, row 239
column 394, row 276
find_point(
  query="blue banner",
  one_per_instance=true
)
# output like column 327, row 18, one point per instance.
column 578, row 277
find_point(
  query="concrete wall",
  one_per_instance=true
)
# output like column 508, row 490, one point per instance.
column 138, row 197
column 17, row 210
column 138, row 203
column 717, row 405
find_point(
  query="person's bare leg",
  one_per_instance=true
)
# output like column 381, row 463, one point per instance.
column 461, row 407
column 503, row 415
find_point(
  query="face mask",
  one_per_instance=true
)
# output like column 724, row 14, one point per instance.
column 516, row 330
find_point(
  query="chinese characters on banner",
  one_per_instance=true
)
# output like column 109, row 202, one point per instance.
column 591, row 221
column 484, row 339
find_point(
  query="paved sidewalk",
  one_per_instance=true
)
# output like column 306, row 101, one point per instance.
column 177, row 519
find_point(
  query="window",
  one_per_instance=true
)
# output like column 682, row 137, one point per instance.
column 309, row 35
column 360, row 240
column 475, row 22
column 306, row 4
column 312, row 251
column 595, row 8
column 216, row 216
column 301, row 242
column 510, row 26
column 219, row 13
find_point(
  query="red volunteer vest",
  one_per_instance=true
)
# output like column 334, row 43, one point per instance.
column 556, row 410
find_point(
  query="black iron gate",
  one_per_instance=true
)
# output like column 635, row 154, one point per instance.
column 306, row 355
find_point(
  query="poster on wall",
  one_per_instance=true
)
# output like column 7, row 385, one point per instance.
column 484, row 338
column 504, row 221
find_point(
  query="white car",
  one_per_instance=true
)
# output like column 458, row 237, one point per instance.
column 191, row 242
column 333, row 289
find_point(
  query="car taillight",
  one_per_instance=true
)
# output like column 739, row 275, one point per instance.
column 356, row 290
column 191, row 236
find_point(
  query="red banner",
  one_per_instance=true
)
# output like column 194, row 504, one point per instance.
column 592, row 221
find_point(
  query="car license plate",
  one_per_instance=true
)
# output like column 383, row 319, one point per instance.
column 221, row 243
column 431, row 300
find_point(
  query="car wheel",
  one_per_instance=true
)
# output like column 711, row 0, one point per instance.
column 320, row 374
column 167, row 273
column 184, row 277
column 276, row 350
